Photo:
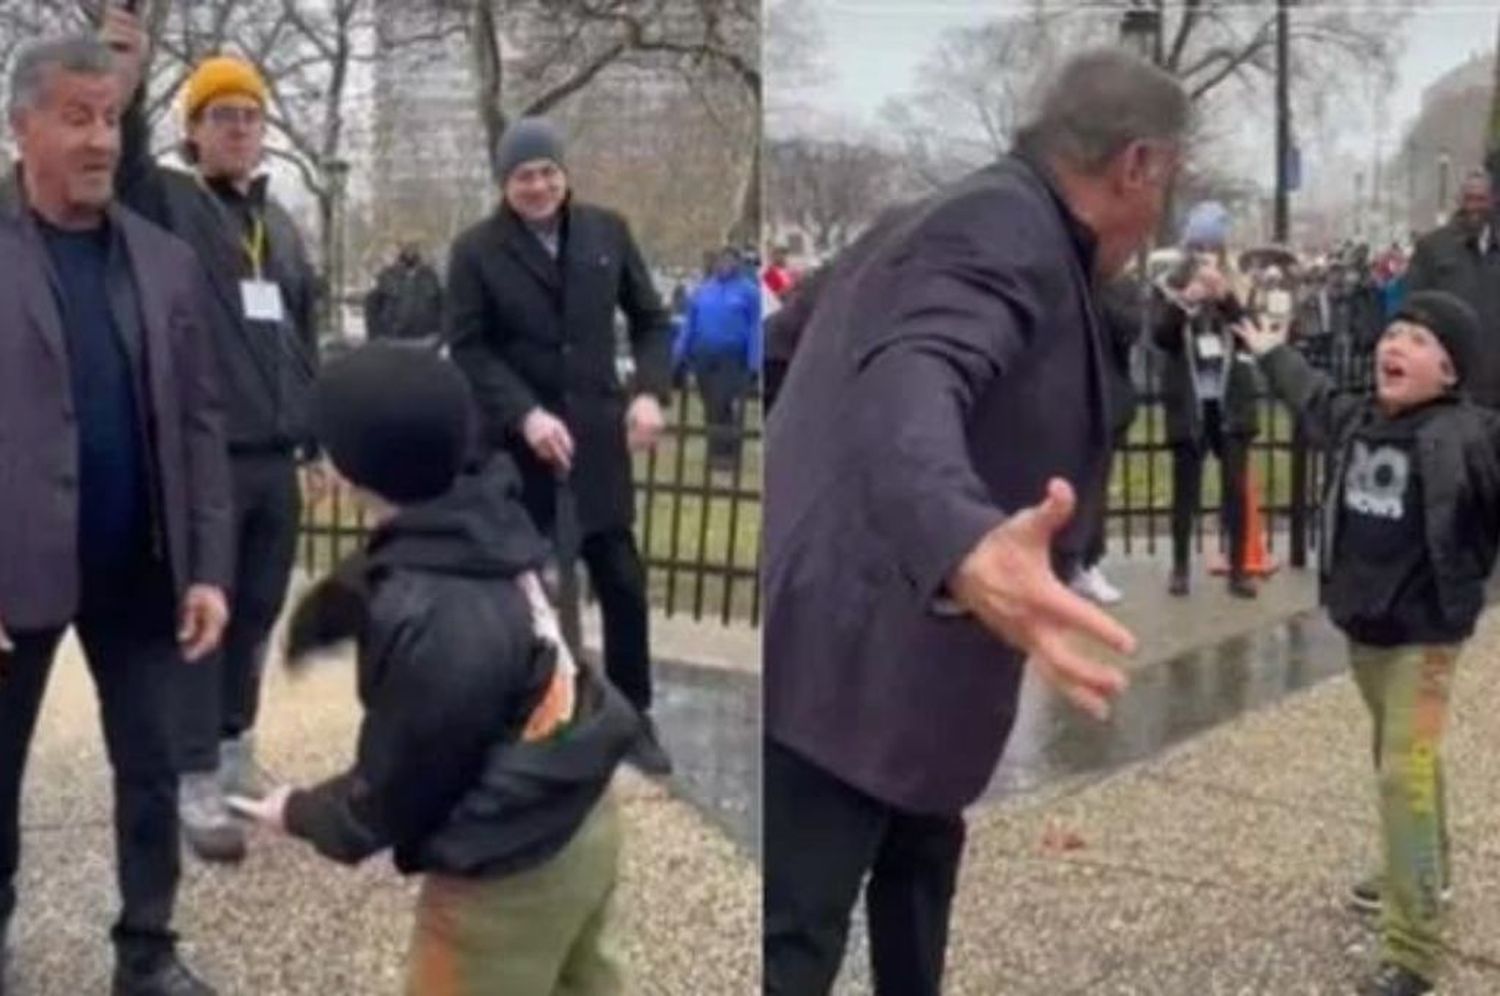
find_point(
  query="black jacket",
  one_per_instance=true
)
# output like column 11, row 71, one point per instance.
column 1458, row 451
column 952, row 364
column 406, row 304
column 1449, row 259
column 449, row 669
column 1170, row 326
column 267, row 370
column 529, row 330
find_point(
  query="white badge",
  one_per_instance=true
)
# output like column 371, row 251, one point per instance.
column 262, row 300
column 1210, row 347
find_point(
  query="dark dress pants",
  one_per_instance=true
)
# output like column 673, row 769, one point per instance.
column 220, row 699
column 619, row 581
column 823, row 840
column 1233, row 453
column 128, row 631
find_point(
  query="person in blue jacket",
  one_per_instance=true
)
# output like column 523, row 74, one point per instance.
column 720, row 342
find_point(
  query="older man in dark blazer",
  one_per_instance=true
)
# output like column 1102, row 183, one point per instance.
column 114, row 487
column 532, row 296
column 952, row 374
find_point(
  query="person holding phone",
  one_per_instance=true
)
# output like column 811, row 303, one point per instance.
column 1209, row 386
column 261, row 319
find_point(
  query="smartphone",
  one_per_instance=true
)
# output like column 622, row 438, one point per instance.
column 1232, row 309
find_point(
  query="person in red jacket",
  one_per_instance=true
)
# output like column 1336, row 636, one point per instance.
column 779, row 278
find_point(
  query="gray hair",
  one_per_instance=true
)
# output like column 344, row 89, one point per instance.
column 79, row 53
column 1100, row 102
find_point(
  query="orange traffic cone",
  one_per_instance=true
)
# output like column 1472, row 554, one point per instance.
column 1258, row 560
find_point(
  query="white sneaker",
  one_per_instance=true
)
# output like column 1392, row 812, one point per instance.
column 1092, row 584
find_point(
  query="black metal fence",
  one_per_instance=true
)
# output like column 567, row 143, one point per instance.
column 1287, row 474
column 698, row 524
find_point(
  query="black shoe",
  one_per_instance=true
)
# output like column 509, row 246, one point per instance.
column 1243, row 586
column 1178, row 586
column 164, row 976
column 1393, row 980
column 647, row 754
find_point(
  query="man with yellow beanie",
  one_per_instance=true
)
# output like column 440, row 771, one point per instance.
column 261, row 316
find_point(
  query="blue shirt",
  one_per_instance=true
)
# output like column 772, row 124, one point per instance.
column 113, row 508
column 723, row 318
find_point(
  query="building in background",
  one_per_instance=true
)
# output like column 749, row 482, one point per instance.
column 1446, row 141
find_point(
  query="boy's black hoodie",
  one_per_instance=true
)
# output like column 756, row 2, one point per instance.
column 1409, row 561
column 449, row 669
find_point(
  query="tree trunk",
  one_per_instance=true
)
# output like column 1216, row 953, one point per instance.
column 1492, row 138
column 484, row 43
column 746, row 228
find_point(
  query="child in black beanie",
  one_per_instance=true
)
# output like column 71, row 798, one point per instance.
column 485, row 753
column 1410, row 531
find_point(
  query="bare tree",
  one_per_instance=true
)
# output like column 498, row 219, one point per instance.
column 980, row 81
column 828, row 189
column 794, row 40
column 564, row 46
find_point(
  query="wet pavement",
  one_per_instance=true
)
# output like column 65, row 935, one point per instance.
column 1167, row 702
column 709, row 721
column 1220, row 866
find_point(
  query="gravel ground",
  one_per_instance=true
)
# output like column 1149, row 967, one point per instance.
column 288, row 923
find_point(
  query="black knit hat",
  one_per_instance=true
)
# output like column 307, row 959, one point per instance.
column 1450, row 319
column 395, row 421
column 526, row 140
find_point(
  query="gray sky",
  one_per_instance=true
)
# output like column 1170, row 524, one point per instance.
column 873, row 48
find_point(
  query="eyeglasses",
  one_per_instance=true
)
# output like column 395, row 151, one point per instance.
column 227, row 115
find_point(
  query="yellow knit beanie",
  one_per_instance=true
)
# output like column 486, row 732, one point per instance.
column 218, row 77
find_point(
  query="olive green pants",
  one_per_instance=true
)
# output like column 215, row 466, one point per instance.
column 1406, row 689
column 542, row 932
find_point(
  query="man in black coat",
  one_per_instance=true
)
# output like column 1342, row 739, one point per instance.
column 114, row 486
column 1463, row 258
column 406, row 304
column 261, row 321
column 532, row 294
column 952, row 374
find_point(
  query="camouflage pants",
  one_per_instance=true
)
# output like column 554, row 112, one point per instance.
column 1406, row 690
column 542, row 932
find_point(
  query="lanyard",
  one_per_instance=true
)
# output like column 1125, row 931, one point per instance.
column 255, row 245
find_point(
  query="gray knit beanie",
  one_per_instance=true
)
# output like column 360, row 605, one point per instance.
column 525, row 140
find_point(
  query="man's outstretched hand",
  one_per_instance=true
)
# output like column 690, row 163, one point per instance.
column 1007, row 582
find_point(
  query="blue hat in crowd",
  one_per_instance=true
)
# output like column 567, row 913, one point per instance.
column 1207, row 226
